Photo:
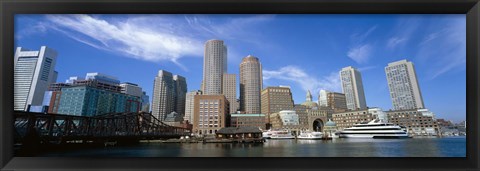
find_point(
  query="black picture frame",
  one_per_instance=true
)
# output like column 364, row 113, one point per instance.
column 9, row 8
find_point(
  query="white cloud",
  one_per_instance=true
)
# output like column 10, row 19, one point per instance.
column 152, row 38
column 128, row 38
column 360, row 53
column 395, row 41
column 298, row 76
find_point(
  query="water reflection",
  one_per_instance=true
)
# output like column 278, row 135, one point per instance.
column 416, row 147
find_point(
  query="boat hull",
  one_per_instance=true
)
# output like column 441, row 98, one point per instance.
column 377, row 136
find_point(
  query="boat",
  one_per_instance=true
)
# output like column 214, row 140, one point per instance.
column 309, row 135
column 267, row 134
column 282, row 134
column 374, row 129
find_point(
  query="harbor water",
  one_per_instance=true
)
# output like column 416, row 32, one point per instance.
column 343, row 147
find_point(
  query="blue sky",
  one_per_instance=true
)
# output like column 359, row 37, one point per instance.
column 305, row 52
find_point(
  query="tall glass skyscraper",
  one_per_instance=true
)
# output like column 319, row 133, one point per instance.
column 403, row 84
column 352, row 87
column 33, row 73
column 180, row 94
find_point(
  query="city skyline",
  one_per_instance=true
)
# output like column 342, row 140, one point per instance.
column 296, row 62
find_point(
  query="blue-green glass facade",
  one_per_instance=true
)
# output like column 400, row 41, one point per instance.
column 90, row 101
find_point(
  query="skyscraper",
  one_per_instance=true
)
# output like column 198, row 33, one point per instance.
column 180, row 93
column 230, row 90
column 163, row 95
column 403, row 84
column 33, row 73
column 250, row 84
column 189, row 104
column 352, row 87
column 214, row 66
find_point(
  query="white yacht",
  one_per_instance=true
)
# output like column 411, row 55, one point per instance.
column 308, row 135
column 283, row 134
column 374, row 129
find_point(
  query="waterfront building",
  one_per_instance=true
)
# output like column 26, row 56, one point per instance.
column 286, row 120
column 33, row 73
column 352, row 87
column 210, row 113
column 240, row 134
column 253, row 120
column 403, row 85
column 180, row 90
column 56, row 89
column 302, row 113
column 250, row 84
column 214, row 66
column 189, row 105
column 276, row 99
column 330, row 128
column 317, row 118
column 415, row 121
column 349, row 118
column 230, row 91
column 163, row 101
column 82, row 100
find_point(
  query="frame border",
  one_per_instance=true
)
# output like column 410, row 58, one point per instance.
column 9, row 8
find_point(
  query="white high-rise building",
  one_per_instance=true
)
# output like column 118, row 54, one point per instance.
column 352, row 87
column 230, row 90
column 403, row 84
column 189, row 105
column 250, row 84
column 214, row 66
column 163, row 95
column 33, row 73
column 322, row 98
column 131, row 89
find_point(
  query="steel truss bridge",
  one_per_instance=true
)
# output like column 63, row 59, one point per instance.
column 59, row 129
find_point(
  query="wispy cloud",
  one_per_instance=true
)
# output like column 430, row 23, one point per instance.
column 403, row 32
column 395, row 41
column 444, row 49
column 360, row 51
column 294, row 74
column 154, row 38
column 129, row 38
column 36, row 28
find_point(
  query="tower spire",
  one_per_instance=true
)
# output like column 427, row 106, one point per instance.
column 309, row 96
